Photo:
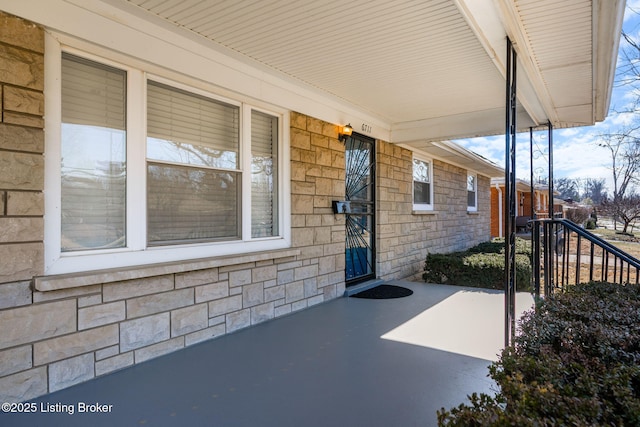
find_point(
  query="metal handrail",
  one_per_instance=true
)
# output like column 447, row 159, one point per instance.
column 553, row 265
column 600, row 242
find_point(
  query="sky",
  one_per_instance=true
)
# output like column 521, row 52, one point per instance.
column 576, row 153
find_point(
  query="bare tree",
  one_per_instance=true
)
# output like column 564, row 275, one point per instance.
column 567, row 187
column 627, row 210
column 628, row 67
column 627, row 72
column 623, row 144
column 594, row 189
column 624, row 150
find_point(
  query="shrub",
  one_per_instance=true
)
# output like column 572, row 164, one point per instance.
column 481, row 266
column 578, row 214
column 575, row 362
column 496, row 246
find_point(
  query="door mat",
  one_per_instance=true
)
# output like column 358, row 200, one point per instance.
column 384, row 292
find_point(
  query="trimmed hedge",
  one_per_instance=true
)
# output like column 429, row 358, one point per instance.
column 576, row 362
column 481, row 266
column 496, row 246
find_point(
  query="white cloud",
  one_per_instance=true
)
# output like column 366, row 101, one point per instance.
column 616, row 120
column 575, row 153
column 490, row 147
column 632, row 10
column 569, row 132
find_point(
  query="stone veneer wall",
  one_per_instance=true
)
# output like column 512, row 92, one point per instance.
column 404, row 236
column 52, row 340
column 318, row 178
column 21, row 156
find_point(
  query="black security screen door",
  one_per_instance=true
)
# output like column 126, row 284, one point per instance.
column 360, row 222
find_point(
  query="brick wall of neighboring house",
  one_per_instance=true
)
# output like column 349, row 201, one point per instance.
column 406, row 236
column 495, row 212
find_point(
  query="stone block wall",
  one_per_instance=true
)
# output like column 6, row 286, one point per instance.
column 21, row 155
column 318, row 178
column 404, row 236
column 54, row 339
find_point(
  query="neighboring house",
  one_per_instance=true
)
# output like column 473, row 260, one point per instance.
column 561, row 206
column 168, row 170
column 523, row 205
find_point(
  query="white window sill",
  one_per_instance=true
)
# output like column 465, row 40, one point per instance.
column 424, row 212
column 74, row 280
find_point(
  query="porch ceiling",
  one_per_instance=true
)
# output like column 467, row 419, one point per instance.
column 420, row 70
column 432, row 70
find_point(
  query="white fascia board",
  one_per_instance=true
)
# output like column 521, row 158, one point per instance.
column 460, row 126
column 124, row 30
column 487, row 167
column 532, row 90
column 467, row 125
column 491, row 21
column 607, row 27
column 451, row 153
column 521, row 185
column 469, row 160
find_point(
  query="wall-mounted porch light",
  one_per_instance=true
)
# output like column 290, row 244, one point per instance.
column 346, row 132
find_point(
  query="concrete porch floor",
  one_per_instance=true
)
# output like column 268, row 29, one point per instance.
column 347, row 362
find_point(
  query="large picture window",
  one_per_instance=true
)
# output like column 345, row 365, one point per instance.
column 193, row 181
column 150, row 170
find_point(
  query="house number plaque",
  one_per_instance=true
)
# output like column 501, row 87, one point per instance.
column 366, row 128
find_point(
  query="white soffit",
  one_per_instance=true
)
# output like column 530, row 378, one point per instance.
column 434, row 69
column 427, row 70
column 557, row 37
column 404, row 60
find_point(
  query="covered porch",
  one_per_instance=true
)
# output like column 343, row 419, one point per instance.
column 348, row 362
column 408, row 75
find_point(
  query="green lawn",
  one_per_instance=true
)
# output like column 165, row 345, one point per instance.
column 629, row 244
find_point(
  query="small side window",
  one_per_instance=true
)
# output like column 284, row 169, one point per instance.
column 472, row 193
column 422, row 185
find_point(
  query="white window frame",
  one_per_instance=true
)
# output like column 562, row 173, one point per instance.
column 137, row 252
column 473, row 208
column 423, row 206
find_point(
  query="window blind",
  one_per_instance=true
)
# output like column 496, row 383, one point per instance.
column 188, row 204
column 93, row 149
column 93, row 94
column 264, row 143
column 192, row 129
